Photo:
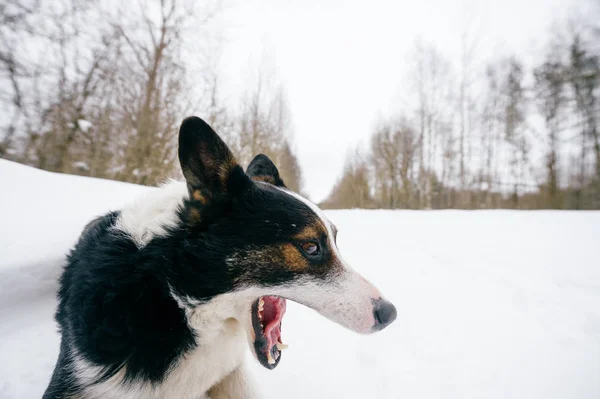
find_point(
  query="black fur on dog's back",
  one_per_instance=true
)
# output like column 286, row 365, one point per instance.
column 114, row 303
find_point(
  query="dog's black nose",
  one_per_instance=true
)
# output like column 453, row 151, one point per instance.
column 385, row 313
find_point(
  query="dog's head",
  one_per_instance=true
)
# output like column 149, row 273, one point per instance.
column 268, row 244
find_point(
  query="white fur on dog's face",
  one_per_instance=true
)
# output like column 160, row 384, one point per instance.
column 347, row 298
column 344, row 297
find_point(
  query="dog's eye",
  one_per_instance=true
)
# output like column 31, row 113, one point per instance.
column 310, row 248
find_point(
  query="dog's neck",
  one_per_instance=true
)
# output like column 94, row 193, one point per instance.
column 225, row 312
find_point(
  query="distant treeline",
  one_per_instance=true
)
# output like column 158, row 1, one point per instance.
column 500, row 136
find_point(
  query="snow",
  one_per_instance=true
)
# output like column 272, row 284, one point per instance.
column 493, row 304
column 84, row 125
column 81, row 165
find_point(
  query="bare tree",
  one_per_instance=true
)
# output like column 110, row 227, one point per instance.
column 432, row 76
column 514, row 125
column 257, row 130
column 549, row 80
column 151, row 96
column 465, row 103
column 15, row 25
column 490, row 133
column 264, row 126
column 584, row 78
column 394, row 151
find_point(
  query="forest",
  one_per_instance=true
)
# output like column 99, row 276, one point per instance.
column 106, row 99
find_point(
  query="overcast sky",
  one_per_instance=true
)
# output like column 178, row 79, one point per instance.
column 344, row 63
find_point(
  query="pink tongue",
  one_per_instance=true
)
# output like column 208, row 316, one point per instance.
column 273, row 312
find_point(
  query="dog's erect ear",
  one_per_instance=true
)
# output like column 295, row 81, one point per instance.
column 263, row 169
column 208, row 165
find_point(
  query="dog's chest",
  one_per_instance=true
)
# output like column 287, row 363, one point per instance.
column 206, row 365
column 193, row 374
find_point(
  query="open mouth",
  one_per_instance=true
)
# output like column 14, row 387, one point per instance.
column 267, row 313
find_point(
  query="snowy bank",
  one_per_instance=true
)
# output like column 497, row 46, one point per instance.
column 493, row 304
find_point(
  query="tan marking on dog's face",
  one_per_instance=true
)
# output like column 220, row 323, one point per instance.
column 312, row 232
column 293, row 259
column 287, row 255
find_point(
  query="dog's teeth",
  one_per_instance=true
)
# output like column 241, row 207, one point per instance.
column 270, row 359
column 281, row 346
column 261, row 305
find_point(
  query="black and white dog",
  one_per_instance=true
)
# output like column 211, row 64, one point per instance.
column 161, row 299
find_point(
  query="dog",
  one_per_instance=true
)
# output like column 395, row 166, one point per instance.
column 163, row 298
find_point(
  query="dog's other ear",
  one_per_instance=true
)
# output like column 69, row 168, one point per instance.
column 209, row 168
column 263, row 169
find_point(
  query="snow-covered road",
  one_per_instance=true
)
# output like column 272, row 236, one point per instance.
column 491, row 304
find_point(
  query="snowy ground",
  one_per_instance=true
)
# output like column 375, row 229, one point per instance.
column 491, row 304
